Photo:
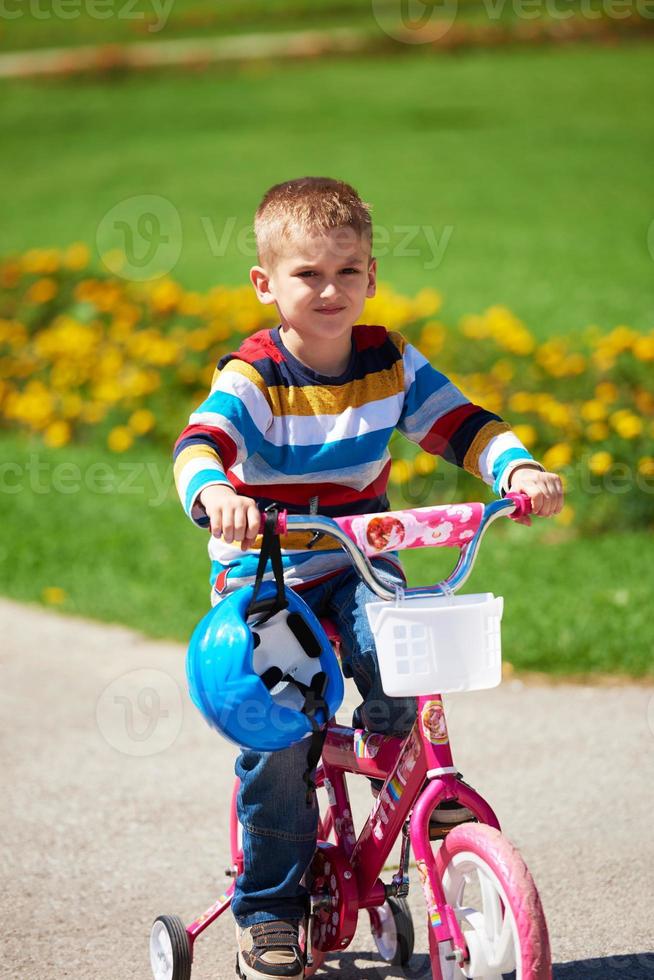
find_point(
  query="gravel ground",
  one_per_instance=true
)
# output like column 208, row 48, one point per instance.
column 116, row 794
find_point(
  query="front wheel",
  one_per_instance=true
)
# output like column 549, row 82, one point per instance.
column 496, row 902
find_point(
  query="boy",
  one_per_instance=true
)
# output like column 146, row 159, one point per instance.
column 306, row 411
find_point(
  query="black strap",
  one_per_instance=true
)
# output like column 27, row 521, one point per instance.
column 270, row 548
column 314, row 700
column 314, row 693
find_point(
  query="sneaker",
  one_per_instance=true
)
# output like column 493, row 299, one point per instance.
column 270, row 950
column 447, row 814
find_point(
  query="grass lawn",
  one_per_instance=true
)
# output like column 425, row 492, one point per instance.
column 516, row 176
column 110, row 533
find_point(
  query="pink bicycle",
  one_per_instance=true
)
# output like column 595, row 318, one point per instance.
column 484, row 915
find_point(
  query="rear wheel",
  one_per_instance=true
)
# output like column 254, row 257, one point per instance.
column 392, row 930
column 494, row 897
column 170, row 949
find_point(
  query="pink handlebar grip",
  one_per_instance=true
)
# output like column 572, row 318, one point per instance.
column 522, row 508
column 282, row 523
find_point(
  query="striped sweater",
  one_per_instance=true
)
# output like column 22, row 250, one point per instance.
column 275, row 430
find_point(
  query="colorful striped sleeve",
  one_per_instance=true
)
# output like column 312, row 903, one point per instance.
column 441, row 420
column 227, row 428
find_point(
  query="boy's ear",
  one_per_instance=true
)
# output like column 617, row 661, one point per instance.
column 261, row 282
column 372, row 278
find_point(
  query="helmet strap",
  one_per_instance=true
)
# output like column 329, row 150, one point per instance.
column 270, row 549
column 314, row 693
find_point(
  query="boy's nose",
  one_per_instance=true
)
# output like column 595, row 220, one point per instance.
column 328, row 290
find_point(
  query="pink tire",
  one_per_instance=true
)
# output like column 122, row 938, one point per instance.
column 501, row 915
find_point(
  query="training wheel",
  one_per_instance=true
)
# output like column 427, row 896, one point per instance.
column 392, row 930
column 170, row 949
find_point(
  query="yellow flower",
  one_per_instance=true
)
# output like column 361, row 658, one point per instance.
column 42, row 291
column 626, row 424
column 521, row 401
column 120, row 439
column 141, row 421
column 644, row 348
column 424, row 463
column 432, row 337
column 192, row 304
column 93, row 412
column 573, row 364
column 53, row 595
column 646, row 466
column 41, row 261
column 57, row 434
column 474, row 327
column 503, row 370
column 555, row 413
column 606, row 391
column 76, row 256
column 400, row 471
column 107, row 391
column 644, row 401
column 594, row 410
column 508, row 331
column 427, row 302
column 597, row 431
column 71, row 405
column 600, row 463
column 557, row 456
column 165, row 295
column 526, row 434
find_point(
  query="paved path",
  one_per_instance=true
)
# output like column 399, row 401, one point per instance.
column 115, row 797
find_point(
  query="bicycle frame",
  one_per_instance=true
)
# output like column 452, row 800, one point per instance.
column 418, row 769
column 406, row 764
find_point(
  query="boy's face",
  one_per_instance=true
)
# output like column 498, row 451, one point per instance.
column 320, row 284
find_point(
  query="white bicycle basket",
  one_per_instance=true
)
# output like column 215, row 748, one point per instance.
column 443, row 644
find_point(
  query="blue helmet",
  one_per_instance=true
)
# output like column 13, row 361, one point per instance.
column 265, row 682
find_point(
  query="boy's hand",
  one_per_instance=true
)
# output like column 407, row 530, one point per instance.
column 545, row 490
column 232, row 517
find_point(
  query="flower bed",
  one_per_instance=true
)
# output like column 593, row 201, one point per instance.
column 92, row 358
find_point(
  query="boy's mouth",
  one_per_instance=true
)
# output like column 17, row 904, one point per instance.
column 330, row 309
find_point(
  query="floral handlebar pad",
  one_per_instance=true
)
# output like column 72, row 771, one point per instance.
column 448, row 525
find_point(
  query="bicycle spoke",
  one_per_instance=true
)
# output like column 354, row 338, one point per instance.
column 490, row 906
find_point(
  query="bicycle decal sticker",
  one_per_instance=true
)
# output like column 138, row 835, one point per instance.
column 206, row 915
column 331, row 795
column 395, row 788
column 433, row 723
column 383, row 533
column 430, row 901
column 366, row 744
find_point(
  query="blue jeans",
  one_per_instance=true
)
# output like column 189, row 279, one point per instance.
column 279, row 829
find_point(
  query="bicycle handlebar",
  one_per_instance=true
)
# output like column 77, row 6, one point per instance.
column 365, row 536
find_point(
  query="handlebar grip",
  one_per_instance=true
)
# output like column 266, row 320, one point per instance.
column 282, row 524
column 522, row 508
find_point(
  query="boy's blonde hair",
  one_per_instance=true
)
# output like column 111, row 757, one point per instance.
column 309, row 206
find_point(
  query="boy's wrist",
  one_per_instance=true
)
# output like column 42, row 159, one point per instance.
column 531, row 464
column 213, row 487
